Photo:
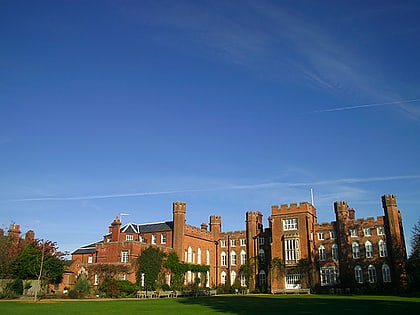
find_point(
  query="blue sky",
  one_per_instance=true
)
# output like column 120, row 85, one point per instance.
column 111, row 107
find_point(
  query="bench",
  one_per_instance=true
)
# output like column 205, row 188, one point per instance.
column 291, row 291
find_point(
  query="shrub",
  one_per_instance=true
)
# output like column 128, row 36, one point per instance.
column 82, row 286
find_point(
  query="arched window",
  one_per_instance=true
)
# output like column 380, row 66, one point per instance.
column 334, row 251
column 243, row 257
column 199, row 256
column 190, row 255
column 322, row 253
column 208, row 279
column 382, row 248
column 262, row 278
column 207, row 257
column 355, row 250
column 223, row 259
column 233, row 258
column 261, row 255
column 223, row 278
column 372, row 274
column 232, row 277
column 358, row 274
column 243, row 280
column 369, row 249
column 386, row 273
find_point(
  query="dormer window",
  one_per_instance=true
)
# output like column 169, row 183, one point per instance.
column 129, row 237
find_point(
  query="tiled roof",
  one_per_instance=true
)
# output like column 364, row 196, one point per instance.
column 87, row 249
column 147, row 228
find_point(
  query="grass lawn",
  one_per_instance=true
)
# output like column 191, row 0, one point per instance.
column 250, row 304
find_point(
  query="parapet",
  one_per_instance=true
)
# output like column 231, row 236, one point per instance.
column 179, row 206
column 302, row 207
column 389, row 200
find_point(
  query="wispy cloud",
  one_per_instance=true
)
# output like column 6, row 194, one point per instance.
column 336, row 109
column 225, row 188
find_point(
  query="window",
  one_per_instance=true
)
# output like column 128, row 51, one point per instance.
column 190, row 255
column 290, row 224
column 223, row 277
column 233, row 258
column 369, row 249
column 129, row 237
column 199, row 256
column 123, row 276
column 90, row 259
column 153, row 238
column 261, row 240
column 163, row 238
column 355, row 250
column 261, row 255
column 232, row 277
column 223, row 243
column 207, row 257
column 243, row 257
column 96, row 280
column 322, row 254
column 358, row 274
column 367, row 231
column 243, row 280
column 334, row 251
column 262, row 279
column 141, row 239
column 333, row 235
column 233, row 243
column 207, row 279
column 382, row 248
column 320, row 236
column 293, row 280
column 372, row 274
column 380, row 230
column 223, row 259
column 243, row 242
column 291, row 247
column 124, row 256
column 329, row 275
column 386, row 273
column 108, row 240
column 353, row 232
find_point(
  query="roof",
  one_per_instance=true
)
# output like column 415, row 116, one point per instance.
column 147, row 228
column 87, row 249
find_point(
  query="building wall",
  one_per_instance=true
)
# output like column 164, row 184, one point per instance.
column 295, row 251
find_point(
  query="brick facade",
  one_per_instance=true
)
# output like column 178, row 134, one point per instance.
column 293, row 252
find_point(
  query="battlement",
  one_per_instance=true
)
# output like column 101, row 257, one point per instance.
column 197, row 231
column 302, row 207
column 389, row 200
column 179, row 206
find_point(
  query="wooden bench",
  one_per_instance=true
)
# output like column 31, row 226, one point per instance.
column 291, row 291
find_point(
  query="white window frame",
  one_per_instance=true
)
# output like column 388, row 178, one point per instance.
column 243, row 257
column 353, row 232
column 369, row 249
column 233, row 258
column 334, row 251
column 90, row 259
column 380, row 230
column 223, row 259
column 154, row 239
column 207, row 257
column 321, row 236
column 222, row 243
column 96, row 280
column 290, row 224
column 129, row 237
column 355, row 250
column 124, row 256
column 141, row 239
column 292, row 250
column 372, row 274
column 383, row 251
column 358, row 274
column 223, row 277
column 243, row 280
column 386, row 273
column 232, row 243
column 262, row 278
column 333, row 235
column 322, row 253
column 260, row 240
column 232, row 277
column 163, row 238
column 199, row 256
column 243, row 241
column 367, row 231
column 329, row 275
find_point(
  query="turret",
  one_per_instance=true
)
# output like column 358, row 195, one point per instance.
column 179, row 212
column 215, row 224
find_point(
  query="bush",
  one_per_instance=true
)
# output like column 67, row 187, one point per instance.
column 82, row 286
column 126, row 287
column 73, row 294
column 110, row 287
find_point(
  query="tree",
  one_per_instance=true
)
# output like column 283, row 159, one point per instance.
column 150, row 264
column 413, row 262
column 38, row 263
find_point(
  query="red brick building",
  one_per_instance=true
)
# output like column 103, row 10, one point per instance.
column 293, row 252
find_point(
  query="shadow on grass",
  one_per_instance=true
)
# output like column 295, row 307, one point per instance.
column 313, row 304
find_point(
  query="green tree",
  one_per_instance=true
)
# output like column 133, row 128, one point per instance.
column 413, row 262
column 150, row 264
column 38, row 262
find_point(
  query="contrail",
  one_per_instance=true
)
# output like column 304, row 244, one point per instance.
column 336, row 109
column 222, row 188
